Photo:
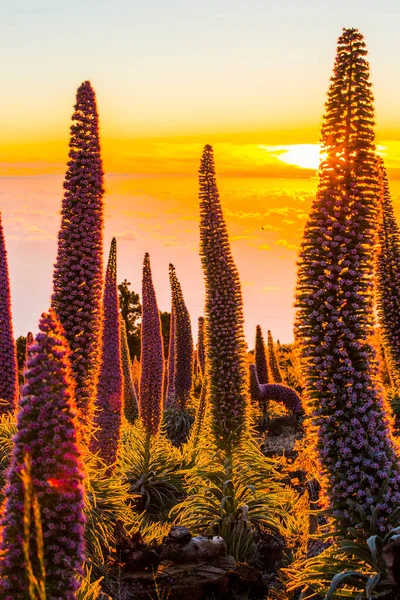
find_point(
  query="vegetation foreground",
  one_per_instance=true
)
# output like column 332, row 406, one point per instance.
column 160, row 469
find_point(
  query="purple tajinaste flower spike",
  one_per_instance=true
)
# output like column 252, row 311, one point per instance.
column 47, row 438
column 387, row 276
column 274, row 368
column 152, row 356
column 263, row 392
column 201, row 355
column 105, row 440
column 28, row 342
column 8, row 353
column 183, row 348
column 78, row 272
column 131, row 410
column 260, row 357
column 335, row 303
column 170, row 386
column 226, row 358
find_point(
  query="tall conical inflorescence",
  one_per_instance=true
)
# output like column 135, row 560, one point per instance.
column 170, row 387
column 129, row 396
column 260, row 357
column 78, row 272
column 105, row 440
column 201, row 354
column 226, row 359
column 387, row 276
column 46, row 448
column 183, row 353
column 273, row 362
column 274, row 391
column 29, row 341
column 152, row 356
column 335, row 299
column 8, row 353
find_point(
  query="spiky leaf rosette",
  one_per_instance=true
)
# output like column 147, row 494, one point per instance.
column 46, row 438
column 8, row 352
column 78, row 271
column 170, row 387
column 274, row 391
column 183, row 353
column 260, row 357
column 105, row 440
column 335, row 299
column 273, row 362
column 130, row 399
column 201, row 353
column 152, row 356
column 226, row 360
column 388, row 276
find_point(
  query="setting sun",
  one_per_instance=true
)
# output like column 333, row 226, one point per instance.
column 306, row 156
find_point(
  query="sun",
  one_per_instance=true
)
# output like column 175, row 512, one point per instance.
column 306, row 156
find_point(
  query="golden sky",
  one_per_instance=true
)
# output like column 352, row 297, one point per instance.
column 248, row 77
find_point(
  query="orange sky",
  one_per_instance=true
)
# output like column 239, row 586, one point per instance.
column 155, row 210
column 249, row 77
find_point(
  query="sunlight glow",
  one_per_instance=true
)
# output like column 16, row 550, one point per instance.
column 306, row 156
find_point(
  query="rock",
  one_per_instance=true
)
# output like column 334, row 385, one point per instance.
column 199, row 548
column 178, row 535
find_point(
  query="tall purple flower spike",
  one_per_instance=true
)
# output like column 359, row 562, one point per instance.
column 131, row 410
column 274, row 368
column 260, row 357
column 226, row 358
column 183, row 353
column 388, row 277
column 105, row 440
column 29, row 341
column 170, row 386
column 274, row 391
column 335, row 317
column 8, row 352
column 47, row 435
column 201, row 354
column 78, row 272
column 152, row 356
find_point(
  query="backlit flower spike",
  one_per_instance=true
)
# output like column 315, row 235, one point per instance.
column 170, row 387
column 152, row 356
column 183, row 348
column 260, row 357
column 78, row 271
column 105, row 440
column 8, row 353
column 274, row 368
column 263, row 392
column 388, row 277
column 335, row 303
column 226, row 358
column 47, row 442
column 201, row 354
column 130, row 401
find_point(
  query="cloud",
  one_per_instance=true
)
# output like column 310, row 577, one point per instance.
column 126, row 236
column 264, row 247
column 286, row 244
column 272, row 288
column 237, row 238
